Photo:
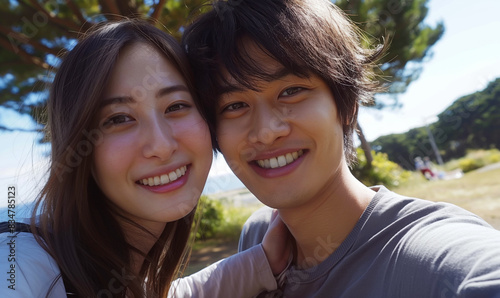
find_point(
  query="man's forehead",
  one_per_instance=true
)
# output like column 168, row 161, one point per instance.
column 253, row 82
column 251, row 67
column 255, row 53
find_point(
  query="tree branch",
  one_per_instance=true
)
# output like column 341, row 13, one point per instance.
column 54, row 18
column 5, row 128
column 158, row 8
column 111, row 6
column 25, row 56
column 76, row 10
column 34, row 11
column 26, row 40
column 365, row 146
column 127, row 8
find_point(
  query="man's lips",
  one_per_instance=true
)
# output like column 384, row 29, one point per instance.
column 279, row 160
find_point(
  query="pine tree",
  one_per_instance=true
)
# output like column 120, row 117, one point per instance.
column 401, row 22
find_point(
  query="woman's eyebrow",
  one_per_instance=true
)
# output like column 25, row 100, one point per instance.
column 116, row 100
column 171, row 89
column 129, row 99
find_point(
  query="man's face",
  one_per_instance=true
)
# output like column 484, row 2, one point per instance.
column 285, row 141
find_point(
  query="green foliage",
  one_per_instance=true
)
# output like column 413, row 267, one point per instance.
column 409, row 39
column 402, row 22
column 471, row 122
column 234, row 218
column 210, row 215
column 403, row 148
column 469, row 164
column 474, row 159
column 219, row 219
column 383, row 171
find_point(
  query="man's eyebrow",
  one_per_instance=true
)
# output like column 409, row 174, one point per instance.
column 281, row 73
column 269, row 77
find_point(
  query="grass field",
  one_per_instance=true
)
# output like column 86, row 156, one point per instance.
column 477, row 191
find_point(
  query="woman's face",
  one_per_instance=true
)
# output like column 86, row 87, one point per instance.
column 155, row 154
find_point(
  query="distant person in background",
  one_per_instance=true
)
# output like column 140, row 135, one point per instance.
column 280, row 82
column 130, row 156
column 430, row 166
column 425, row 167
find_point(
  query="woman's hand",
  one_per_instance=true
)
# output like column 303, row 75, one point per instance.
column 277, row 244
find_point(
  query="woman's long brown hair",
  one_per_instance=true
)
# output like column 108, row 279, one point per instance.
column 76, row 223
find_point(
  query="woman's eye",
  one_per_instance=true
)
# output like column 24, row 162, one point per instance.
column 118, row 119
column 291, row 91
column 176, row 107
column 234, row 106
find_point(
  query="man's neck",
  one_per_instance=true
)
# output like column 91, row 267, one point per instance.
column 321, row 225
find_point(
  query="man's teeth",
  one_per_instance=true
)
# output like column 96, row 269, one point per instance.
column 165, row 178
column 279, row 161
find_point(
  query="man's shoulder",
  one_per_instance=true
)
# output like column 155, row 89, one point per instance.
column 255, row 228
column 389, row 203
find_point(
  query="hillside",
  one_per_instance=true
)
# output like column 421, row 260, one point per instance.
column 471, row 122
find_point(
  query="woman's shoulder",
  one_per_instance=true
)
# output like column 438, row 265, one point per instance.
column 31, row 271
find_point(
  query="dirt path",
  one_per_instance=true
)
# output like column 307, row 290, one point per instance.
column 210, row 254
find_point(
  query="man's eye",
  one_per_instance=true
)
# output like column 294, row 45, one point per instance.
column 117, row 119
column 291, row 91
column 176, row 107
column 234, row 106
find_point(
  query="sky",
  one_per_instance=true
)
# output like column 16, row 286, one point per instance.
column 463, row 61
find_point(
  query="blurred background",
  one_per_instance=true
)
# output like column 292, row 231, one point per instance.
column 442, row 105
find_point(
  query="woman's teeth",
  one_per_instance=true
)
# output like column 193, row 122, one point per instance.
column 279, row 161
column 165, row 178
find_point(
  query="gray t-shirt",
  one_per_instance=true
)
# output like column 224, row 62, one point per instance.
column 400, row 247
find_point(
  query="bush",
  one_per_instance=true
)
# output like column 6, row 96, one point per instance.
column 469, row 164
column 211, row 213
column 234, row 218
column 383, row 171
column 475, row 159
column 219, row 219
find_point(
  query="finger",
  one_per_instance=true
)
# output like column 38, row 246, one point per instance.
column 276, row 223
column 274, row 214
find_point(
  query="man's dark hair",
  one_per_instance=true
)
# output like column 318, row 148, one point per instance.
column 305, row 36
